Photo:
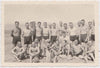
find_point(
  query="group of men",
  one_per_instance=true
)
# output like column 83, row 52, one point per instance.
column 51, row 42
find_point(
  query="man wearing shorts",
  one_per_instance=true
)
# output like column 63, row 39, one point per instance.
column 72, row 32
column 16, row 33
column 83, row 33
column 45, row 37
column 91, row 31
column 27, row 35
column 54, row 33
column 39, row 32
column 33, row 30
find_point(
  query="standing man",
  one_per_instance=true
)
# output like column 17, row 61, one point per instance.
column 27, row 37
column 53, row 33
column 45, row 31
column 39, row 32
column 45, row 37
column 72, row 32
column 66, row 31
column 33, row 30
column 83, row 33
column 16, row 33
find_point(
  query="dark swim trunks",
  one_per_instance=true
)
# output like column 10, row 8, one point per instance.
column 16, row 39
column 27, row 40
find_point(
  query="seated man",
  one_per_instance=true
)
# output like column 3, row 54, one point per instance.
column 18, row 51
column 76, row 49
column 34, row 51
column 90, row 55
column 66, row 48
column 55, row 51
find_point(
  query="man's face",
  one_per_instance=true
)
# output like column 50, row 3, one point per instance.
column 27, row 25
column 19, row 44
column 71, row 25
column 75, row 42
column 39, row 24
column 31, row 24
column 65, row 25
column 17, row 24
column 83, row 23
column 90, row 24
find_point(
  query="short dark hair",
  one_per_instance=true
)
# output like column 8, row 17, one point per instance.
column 26, row 23
column 82, row 20
column 54, row 23
column 32, row 22
column 39, row 22
column 65, row 23
column 45, row 22
column 17, row 22
column 70, row 22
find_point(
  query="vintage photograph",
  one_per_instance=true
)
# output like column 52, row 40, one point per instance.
column 50, row 32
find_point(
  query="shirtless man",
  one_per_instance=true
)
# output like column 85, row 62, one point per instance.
column 54, row 33
column 39, row 32
column 16, row 33
column 18, row 51
column 27, row 37
column 83, row 33
column 45, row 37
column 34, row 51
column 72, row 32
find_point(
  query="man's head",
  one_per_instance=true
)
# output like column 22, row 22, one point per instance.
column 82, row 22
column 32, row 24
column 17, row 24
column 64, row 34
column 89, row 43
column 65, row 25
column 19, row 44
column 39, row 24
column 45, row 24
column 70, row 24
column 76, row 42
column 27, row 25
column 54, row 25
column 90, row 23
column 50, row 26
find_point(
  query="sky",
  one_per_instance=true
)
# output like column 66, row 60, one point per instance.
column 47, row 13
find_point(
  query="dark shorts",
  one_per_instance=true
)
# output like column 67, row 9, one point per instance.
column 21, row 57
column 45, row 37
column 73, row 38
column 27, row 40
column 73, row 53
column 92, row 37
column 16, row 39
column 53, row 39
column 83, row 37
column 39, row 38
column 77, row 38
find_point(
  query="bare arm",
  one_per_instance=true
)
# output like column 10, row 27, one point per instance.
column 30, row 52
column 12, row 33
column 23, row 34
column 13, row 51
column 38, row 51
column 22, row 51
